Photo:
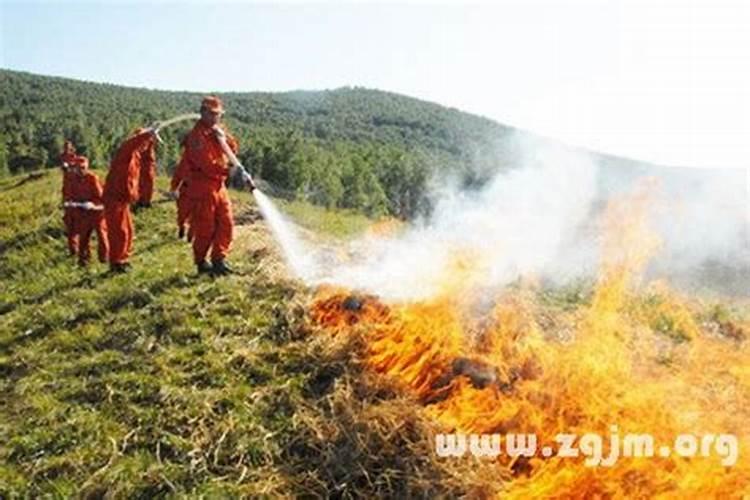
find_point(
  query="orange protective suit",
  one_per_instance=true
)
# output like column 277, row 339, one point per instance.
column 121, row 189
column 179, row 184
column 85, row 186
column 146, row 177
column 71, row 159
column 210, row 208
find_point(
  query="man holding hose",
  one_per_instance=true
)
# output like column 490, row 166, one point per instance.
column 209, row 150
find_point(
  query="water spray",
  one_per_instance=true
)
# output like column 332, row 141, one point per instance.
column 294, row 253
column 297, row 257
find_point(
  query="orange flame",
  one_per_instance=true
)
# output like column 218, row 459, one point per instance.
column 637, row 361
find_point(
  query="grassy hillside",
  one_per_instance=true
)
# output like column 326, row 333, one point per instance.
column 363, row 149
column 350, row 147
column 161, row 381
column 164, row 383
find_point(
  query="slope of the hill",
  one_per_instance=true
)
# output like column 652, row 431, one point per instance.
column 366, row 149
column 164, row 382
column 349, row 147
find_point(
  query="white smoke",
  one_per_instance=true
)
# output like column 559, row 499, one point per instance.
column 539, row 218
column 514, row 226
column 702, row 218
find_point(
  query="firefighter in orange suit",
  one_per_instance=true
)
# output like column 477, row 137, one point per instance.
column 206, row 154
column 69, row 159
column 84, row 200
column 121, row 189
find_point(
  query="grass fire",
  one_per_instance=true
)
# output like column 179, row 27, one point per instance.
column 623, row 356
column 421, row 303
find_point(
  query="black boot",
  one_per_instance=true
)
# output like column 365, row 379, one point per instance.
column 221, row 268
column 204, row 267
column 120, row 268
column 181, row 232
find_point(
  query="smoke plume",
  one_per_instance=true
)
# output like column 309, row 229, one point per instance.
column 541, row 218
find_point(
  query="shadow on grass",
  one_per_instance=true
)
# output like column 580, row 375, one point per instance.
column 46, row 295
column 137, row 298
column 29, row 178
column 25, row 239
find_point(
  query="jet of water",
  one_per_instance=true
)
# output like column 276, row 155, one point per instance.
column 295, row 254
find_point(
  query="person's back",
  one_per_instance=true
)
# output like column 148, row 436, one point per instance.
column 120, row 190
column 121, row 184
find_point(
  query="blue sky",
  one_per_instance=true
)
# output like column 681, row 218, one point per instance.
column 661, row 80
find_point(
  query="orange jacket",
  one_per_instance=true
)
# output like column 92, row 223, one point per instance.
column 122, row 180
column 86, row 187
column 205, row 161
column 68, row 175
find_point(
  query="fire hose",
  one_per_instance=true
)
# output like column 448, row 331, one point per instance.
column 246, row 177
column 157, row 126
column 85, row 205
column 220, row 135
column 176, row 119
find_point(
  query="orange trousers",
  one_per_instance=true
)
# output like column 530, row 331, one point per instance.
column 120, row 231
column 86, row 223
column 146, row 185
column 212, row 224
column 184, row 207
column 70, row 230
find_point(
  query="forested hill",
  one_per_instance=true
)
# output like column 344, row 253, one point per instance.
column 351, row 147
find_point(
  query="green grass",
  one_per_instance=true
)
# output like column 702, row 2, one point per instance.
column 337, row 223
column 157, row 382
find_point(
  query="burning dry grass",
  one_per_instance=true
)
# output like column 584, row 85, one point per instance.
column 640, row 361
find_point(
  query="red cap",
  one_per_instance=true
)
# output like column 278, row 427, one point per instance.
column 213, row 104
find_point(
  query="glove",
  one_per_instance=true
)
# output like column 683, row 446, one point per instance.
column 248, row 179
